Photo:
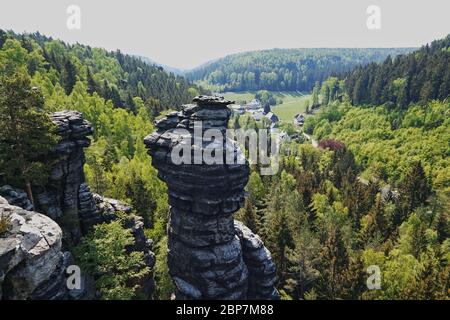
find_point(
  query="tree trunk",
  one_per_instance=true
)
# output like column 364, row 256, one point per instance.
column 29, row 192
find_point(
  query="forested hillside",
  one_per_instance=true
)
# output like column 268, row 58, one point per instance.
column 112, row 75
column 375, row 192
column 119, row 95
column 420, row 76
column 284, row 69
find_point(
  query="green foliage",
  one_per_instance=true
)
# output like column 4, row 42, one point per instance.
column 248, row 216
column 94, row 82
column 112, row 75
column 256, row 190
column 284, row 69
column 388, row 152
column 332, row 90
column 164, row 284
column 325, row 224
column 334, row 264
column 280, row 240
column 26, row 131
column 5, row 223
column 267, row 97
column 303, row 265
column 362, row 198
column 419, row 76
column 104, row 254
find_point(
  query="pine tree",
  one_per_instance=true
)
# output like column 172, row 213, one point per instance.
column 115, row 97
column 70, row 76
column 106, row 91
column 315, row 95
column 142, row 199
column 415, row 189
column 130, row 103
column 376, row 228
column 26, row 132
column 354, row 279
column 279, row 239
column 428, row 278
column 334, row 264
column 3, row 37
column 302, row 261
column 249, row 217
column 91, row 84
column 442, row 227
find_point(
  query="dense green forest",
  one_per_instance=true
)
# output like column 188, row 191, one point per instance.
column 284, row 69
column 369, row 195
column 112, row 75
column 374, row 192
column 117, row 164
column 416, row 77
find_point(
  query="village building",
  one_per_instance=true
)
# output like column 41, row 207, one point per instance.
column 257, row 115
column 272, row 117
column 299, row 119
column 253, row 105
column 237, row 108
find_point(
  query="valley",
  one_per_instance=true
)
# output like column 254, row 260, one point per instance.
column 86, row 137
column 292, row 104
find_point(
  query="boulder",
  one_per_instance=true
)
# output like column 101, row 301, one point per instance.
column 32, row 263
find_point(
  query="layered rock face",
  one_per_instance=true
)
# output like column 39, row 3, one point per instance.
column 32, row 263
column 59, row 199
column 16, row 197
column 262, row 272
column 210, row 257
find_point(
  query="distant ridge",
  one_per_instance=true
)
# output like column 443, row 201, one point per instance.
column 285, row 69
column 174, row 70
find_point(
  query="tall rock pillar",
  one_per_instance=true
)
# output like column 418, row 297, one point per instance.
column 210, row 256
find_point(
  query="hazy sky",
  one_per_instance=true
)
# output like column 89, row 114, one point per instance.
column 186, row 33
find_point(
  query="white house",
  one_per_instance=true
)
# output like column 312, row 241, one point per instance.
column 257, row 114
column 252, row 105
column 299, row 119
column 272, row 117
column 239, row 109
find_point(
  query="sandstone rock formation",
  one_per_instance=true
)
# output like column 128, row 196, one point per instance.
column 210, row 256
column 32, row 263
column 59, row 198
column 262, row 272
column 16, row 197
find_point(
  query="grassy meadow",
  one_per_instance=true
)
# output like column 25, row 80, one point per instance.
column 293, row 102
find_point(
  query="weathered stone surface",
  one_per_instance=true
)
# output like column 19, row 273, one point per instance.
column 32, row 264
column 88, row 211
column 16, row 197
column 261, row 268
column 31, row 267
column 210, row 257
column 59, row 199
